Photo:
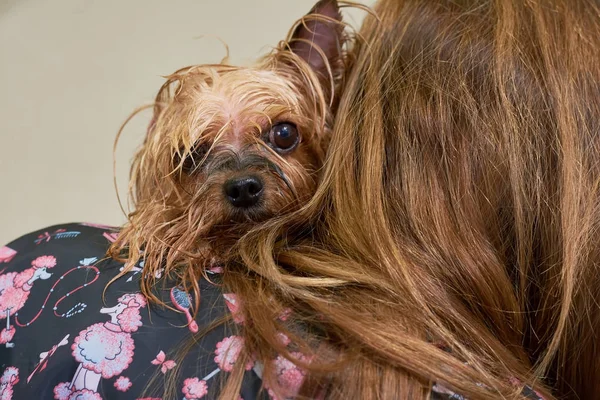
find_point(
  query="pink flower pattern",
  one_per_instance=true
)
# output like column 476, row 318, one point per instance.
column 123, row 383
column 285, row 314
column 62, row 391
column 289, row 377
column 283, row 338
column 228, row 351
column 194, row 388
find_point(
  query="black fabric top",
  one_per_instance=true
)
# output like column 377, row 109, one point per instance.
column 60, row 340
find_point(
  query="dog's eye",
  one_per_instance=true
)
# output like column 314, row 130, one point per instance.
column 193, row 160
column 284, row 136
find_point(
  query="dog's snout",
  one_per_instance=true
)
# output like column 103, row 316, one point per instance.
column 243, row 192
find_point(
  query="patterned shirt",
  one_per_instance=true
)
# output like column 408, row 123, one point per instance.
column 60, row 340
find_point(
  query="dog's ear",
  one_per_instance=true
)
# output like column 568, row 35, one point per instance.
column 318, row 38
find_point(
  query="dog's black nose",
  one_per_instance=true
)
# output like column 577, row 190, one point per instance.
column 243, row 192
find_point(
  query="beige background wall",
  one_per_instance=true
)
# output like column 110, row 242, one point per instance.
column 71, row 71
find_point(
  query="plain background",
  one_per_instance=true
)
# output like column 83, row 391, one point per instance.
column 71, row 72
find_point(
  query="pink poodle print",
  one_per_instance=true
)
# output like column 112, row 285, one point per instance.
column 104, row 350
column 9, row 378
column 15, row 289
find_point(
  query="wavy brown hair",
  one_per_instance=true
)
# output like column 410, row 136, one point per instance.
column 459, row 204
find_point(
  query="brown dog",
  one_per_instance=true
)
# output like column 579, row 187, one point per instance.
column 230, row 147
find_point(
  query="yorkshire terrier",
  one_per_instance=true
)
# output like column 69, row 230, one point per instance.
column 230, row 147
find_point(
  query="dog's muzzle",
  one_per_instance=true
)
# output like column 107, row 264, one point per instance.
column 244, row 192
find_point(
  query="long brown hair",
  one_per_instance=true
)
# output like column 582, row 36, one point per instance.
column 459, row 203
column 457, row 209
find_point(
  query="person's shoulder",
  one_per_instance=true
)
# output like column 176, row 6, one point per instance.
column 68, row 240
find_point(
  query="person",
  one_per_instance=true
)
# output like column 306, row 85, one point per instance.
column 65, row 337
column 449, row 250
column 453, row 238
